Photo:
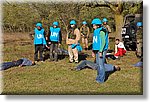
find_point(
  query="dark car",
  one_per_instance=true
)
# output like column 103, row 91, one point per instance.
column 129, row 31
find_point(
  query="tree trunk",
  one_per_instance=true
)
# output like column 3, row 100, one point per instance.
column 119, row 24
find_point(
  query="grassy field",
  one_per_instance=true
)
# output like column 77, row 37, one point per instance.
column 57, row 78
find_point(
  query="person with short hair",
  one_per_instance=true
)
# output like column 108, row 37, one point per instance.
column 120, row 49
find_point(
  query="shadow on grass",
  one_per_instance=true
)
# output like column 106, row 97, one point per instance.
column 107, row 74
column 82, row 56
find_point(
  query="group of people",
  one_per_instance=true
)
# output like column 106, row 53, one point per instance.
column 52, row 40
column 100, row 44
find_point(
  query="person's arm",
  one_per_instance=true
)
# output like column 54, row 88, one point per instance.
column 108, row 28
column 102, row 35
column 60, row 37
column 67, row 38
column 116, row 50
column 48, row 35
column 77, row 32
column 25, row 62
column 88, row 33
column 81, row 31
column 44, row 40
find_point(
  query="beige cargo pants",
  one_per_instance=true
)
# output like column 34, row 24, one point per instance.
column 73, row 54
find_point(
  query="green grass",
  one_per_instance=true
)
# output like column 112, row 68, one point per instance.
column 57, row 78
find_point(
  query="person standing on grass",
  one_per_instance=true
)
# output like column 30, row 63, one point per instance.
column 72, row 41
column 120, row 49
column 105, row 21
column 85, row 31
column 54, row 37
column 39, row 41
column 98, row 48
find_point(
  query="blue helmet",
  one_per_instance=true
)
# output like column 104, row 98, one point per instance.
column 38, row 25
column 55, row 23
column 84, row 22
column 96, row 21
column 139, row 24
column 73, row 22
column 105, row 20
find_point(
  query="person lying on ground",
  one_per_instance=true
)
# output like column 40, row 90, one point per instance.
column 20, row 62
column 139, row 63
column 89, row 64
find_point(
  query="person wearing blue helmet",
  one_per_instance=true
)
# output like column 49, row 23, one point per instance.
column 54, row 38
column 98, row 46
column 85, row 31
column 39, row 41
column 139, row 41
column 72, row 40
column 107, row 27
column 105, row 24
column 139, row 24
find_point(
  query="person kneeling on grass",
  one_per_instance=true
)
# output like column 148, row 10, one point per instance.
column 20, row 62
column 120, row 49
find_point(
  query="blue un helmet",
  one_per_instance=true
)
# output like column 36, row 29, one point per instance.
column 96, row 21
column 84, row 22
column 72, row 22
column 55, row 23
column 105, row 20
column 39, row 25
column 139, row 24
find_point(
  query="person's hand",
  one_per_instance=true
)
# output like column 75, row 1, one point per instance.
column 76, row 41
column 20, row 65
column 100, row 54
column 93, row 54
column 46, row 38
column 47, row 46
column 59, row 44
column 49, row 42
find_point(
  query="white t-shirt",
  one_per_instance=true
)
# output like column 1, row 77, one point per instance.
column 120, row 45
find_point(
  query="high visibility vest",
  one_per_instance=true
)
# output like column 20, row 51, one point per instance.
column 39, row 36
column 55, row 34
column 96, row 39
